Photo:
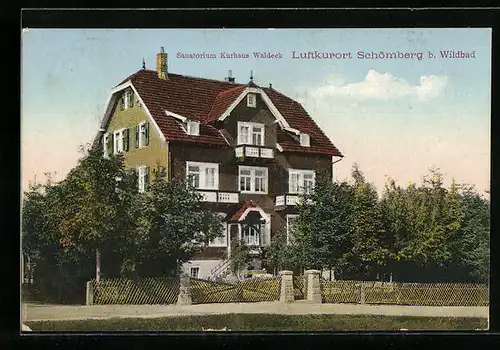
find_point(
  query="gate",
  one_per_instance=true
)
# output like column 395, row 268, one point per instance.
column 299, row 287
column 249, row 290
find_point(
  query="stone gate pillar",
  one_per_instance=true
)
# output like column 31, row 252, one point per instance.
column 313, row 286
column 184, row 297
column 286, row 293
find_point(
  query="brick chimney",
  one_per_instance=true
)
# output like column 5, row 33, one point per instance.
column 229, row 77
column 161, row 64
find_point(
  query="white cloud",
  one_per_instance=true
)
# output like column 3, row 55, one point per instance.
column 382, row 86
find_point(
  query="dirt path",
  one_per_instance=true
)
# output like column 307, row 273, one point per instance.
column 35, row 312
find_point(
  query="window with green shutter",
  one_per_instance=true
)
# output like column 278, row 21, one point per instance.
column 143, row 178
column 126, row 138
column 137, row 135
column 122, row 102
column 110, row 143
column 131, row 98
column 146, row 136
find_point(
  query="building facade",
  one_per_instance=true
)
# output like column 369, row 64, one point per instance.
column 250, row 151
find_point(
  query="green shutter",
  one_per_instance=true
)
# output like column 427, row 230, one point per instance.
column 126, row 139
column 146, row 138
column 131, row 102
column 137, row 135
column 122, row 102
column 111, row 143
column 146, row 180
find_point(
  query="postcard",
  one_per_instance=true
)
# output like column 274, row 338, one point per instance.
column 255, row 179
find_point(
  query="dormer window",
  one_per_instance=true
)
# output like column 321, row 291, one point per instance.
column 127, row 100
column 305, row 140
column 193, row 128
column 251, row 100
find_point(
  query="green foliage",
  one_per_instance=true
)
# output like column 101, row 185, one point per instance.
column 283, row 256
column 239, row 257
column 323, row 227
column 265, row 322
column 172, row 227
column 97, row 206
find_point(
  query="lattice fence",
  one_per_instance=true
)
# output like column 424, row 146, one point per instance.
column 249, row 290
column 426, row 294
column 157, row 290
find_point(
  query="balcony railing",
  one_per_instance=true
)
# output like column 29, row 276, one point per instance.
column 251, row 240
column 218, row 196
column 253, row 152
column 289, row 199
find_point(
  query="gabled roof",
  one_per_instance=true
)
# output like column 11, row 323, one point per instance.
column 206, row 100
column 246, row 205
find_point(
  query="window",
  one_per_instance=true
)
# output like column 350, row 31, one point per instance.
column 142, row 135
column 105, row 145
column 251, row 100
column 290, row 218
column 120, row 138
column 304, row 140
column 250, row 133
column 143, row 178
column 194, row 272
column 203, row 175
column 250, row 234
column 127, row 99
column 253, row 179
column 193, row 128
column 300, row 181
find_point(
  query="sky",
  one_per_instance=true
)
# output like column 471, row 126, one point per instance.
column 394, row 117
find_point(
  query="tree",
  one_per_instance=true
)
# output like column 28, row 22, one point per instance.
column 281, row 255
column 370, row 244
column 172, row 226
column 239, row 257
column 470, row 244
column 323, row 227
column 94, row 207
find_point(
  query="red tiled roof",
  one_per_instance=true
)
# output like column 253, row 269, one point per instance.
column 246, row 204
column 206, row 99
column 223, row 101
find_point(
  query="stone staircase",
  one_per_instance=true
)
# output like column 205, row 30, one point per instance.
column 220, row 271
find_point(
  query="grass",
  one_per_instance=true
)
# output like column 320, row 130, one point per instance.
column 265, row 322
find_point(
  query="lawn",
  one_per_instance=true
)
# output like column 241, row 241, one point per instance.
column 265, row 322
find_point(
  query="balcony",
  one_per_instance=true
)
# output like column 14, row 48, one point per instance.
column 251, row 151
column 218, row 196
column 288, row 199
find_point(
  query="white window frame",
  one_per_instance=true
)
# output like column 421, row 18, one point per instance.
column 251, row 126
column 141, row 136
column 191, row 268
column 220, row 241
column 256, row 235
column 202, row 167
column 300, row 179
column 118, row 144
column 252, row 179
column 251, row 102
column 142, row 172
column 126, row 97
column 105, row 140
column 193, row 124
column 288, row 226
column 305, row 140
